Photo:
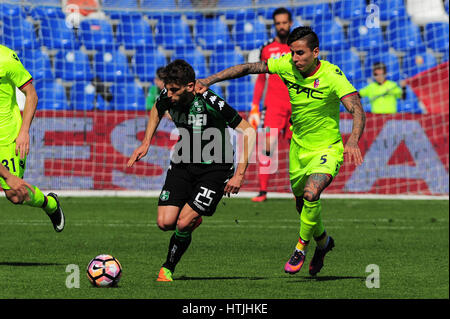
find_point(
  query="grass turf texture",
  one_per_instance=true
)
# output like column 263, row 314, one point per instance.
column 240, row 252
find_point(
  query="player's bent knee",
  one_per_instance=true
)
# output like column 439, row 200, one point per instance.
column 165, row 226
column 311, row 197
column 183, row 225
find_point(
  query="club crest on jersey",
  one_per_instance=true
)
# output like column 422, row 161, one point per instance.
column 164, row 195
column 316, row 83
column 198, row 107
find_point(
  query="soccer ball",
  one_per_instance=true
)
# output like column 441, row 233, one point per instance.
column 104, row 271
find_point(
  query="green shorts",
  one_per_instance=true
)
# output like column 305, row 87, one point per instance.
column 304, row 162
column 12, row 162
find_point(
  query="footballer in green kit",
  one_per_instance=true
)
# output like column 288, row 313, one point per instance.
column 316, row 88
column 15, row 137
column 202, row 167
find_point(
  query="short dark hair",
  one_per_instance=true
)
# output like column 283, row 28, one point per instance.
column 305, row 33
column 178, row 72
column 378, row 66
column 160, row 72
column 282, row 11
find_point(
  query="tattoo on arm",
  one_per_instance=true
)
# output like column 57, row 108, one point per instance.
column 354, row 107
column 238, row 71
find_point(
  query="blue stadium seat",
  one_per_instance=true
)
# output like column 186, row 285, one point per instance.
column 223, row 59
column 39, row 12
column 115, row 7
column 127, row 96
column 18, row 33
column 279, row 3
column 82, row 96
column 73, row 65
column 112, row 66
column 37, row 63
column 234, row 3
column 446, row 5
column 212, row 34
column 55, row 34
column 243, row 14
column 349, row 9
column 52, row 95
column 146, row 61
column 47, row 2
column 97, row 34
column 390, row 9
column 250, row 34
column 403, row 34
column 236, row 9
column 195, row 58
column 12, row 10
column 417, row 60
column 161, row 4
column 171, row 31
column 331, row 35
column 364, row 38
column 390, row 60
column 410, row 104
column 318, row 11
column 349, row 63
column 437, row 36
column 216, row 88
column 183, row 4
column 240, row 93
column 133, row 32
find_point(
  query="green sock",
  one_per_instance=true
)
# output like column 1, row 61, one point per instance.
column 309, row 219
column 38, row 199
column 183, row 236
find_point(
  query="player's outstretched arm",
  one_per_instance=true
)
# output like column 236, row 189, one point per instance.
column 17, row 184
column 23, row 138
column 233, row 72
column 353, row 105
column 142, row 150
column 249, row 136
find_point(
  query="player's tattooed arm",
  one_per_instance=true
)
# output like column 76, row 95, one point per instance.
column 233, row 72
column 353, row 105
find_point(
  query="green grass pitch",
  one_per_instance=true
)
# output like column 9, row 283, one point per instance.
column 237, row 253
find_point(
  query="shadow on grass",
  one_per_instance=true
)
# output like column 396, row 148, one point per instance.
column 219, row 278
column 327, row 278
column 296, row 279
column 27, row 264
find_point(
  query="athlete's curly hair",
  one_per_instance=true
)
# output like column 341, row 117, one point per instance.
column 178, row 72
column 305, row 33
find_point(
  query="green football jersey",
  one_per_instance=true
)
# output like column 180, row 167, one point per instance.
column 314, row 100
column 383, row 97
column 206, row 120
column 12, row 75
